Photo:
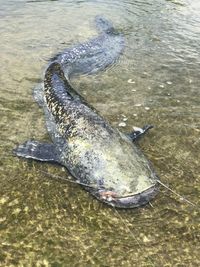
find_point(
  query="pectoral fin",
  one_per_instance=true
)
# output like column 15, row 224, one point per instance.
column 37, row 151
column 138, row 132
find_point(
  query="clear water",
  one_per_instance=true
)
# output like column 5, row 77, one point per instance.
column 45, row 222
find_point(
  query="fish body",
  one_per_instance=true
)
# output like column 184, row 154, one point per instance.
column 105, row 161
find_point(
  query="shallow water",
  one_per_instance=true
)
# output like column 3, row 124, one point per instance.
column 47, row 222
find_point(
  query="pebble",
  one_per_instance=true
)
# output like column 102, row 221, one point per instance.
column 125, row 119
column 161, row 86
column 147, row 108
column 135, row 115
column 133, row 90
column 131, row 81
column 122, row 124
column 146, row 239
column 138, row 105
column 26, row 209
column 3, row 200
column 169, row 82
column 2, row 219
column 16, row 211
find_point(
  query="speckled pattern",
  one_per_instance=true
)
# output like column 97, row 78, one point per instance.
column 97, row 155
column 49, row 222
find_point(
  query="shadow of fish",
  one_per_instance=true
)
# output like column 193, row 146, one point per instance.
column 106, row 162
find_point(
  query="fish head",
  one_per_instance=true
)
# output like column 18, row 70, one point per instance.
column 128, row 180
column 134, row 200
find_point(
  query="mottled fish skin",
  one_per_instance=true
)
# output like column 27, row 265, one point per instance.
column 106, row 161
column 94, row 55
column 95, row 153
column 89, row 59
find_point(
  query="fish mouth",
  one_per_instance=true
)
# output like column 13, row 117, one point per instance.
column 131, row 201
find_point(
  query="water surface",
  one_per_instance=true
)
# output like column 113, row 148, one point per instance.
column 47, row 222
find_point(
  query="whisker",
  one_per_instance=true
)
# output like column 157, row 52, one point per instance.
column 136, row 240
column 65, row 179
column 150, row 204
column 175, row 193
